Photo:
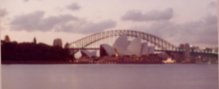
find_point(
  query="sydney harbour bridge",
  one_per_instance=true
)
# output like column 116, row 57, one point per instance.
column 159, row 43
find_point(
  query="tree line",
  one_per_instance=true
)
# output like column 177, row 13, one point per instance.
column 33, row 53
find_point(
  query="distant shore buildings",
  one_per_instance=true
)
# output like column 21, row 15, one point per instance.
column 57, row 42
column 122, row 51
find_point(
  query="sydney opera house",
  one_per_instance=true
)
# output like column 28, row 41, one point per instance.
column 123, row 50
column 122, row 47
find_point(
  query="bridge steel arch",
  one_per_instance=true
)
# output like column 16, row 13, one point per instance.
column 156, row 41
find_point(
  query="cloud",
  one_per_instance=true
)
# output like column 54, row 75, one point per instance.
column 213, row 4
column 37, row 22
column 85, row 27
column 203, row 32
column 74, row 6
column 135, row 15
column 3, row 13
column 26, row 0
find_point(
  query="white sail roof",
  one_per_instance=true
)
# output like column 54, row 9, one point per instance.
column 88, row 53
column 134, row 48
column 110, row 50
column 121, row 45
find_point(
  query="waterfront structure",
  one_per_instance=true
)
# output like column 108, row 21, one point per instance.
column 134, row 48
column 124, row 47
column 186, row 49
column 89, row 54
column 146, row 50
column 121, row 45
column 106, row 50
column 169, row 61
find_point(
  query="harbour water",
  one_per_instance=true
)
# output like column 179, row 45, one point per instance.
column 110, row 76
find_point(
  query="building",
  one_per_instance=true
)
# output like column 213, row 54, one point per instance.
column 134, row 48
column 7, row 39
column 121, row 45
column 89, row 54
column 106, row 50
column 146, row 50
column 57, row 42
column 186, row 49
column 125, row 47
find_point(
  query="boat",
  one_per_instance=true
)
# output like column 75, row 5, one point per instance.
column 169, row 61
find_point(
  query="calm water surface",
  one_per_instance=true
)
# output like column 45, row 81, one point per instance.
column 176, row 76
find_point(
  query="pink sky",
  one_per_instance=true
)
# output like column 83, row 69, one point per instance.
column 177, row 21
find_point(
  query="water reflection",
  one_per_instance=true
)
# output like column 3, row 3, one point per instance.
column 109, row 76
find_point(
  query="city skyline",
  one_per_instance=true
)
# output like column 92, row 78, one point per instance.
column 176, row 21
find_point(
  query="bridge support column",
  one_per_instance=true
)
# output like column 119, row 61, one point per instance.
column 186, row 53
column 187, row 56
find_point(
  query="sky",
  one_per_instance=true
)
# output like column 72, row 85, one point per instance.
column 177, row 21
